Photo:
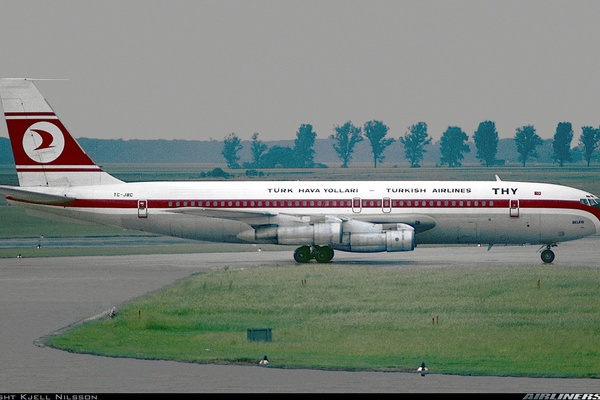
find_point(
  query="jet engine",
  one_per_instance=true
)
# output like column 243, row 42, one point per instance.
column 353, row 236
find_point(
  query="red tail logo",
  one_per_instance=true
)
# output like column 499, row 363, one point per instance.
column 43, row 142
column 45, row 153
column 47, row 139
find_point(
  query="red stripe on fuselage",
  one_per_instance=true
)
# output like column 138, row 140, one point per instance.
column 335, row 205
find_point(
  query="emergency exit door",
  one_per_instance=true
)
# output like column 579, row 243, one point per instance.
column 142, row 209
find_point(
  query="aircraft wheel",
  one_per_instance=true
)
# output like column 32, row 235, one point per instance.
column 547, row 256
column 302, row 254
column 323, row 254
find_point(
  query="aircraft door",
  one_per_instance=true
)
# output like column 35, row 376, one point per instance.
column 142, row 209
column 514, row 208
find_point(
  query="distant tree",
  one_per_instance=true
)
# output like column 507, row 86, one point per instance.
column 253, row 172
column 303, row 147
column 257, row 149
column 415, row 142
column 215, row 173
column 345, row 138
column 589, row 140
column 562, row 142
column 486, row 142
column 376, row 131
column 278, row 157
column 231, row 146
column 527, row 140
column 452, row 146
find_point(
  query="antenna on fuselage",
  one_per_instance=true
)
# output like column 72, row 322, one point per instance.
column 498, row 178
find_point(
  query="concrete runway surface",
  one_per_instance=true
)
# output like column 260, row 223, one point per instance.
column 39, row 296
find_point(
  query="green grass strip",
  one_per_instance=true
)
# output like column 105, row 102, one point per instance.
column 526, row 321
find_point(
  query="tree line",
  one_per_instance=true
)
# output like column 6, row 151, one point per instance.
column 453, row 145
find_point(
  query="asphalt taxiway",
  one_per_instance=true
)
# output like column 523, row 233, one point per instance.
column 39, row 296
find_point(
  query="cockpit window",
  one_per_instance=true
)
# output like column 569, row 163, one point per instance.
column 591, row 201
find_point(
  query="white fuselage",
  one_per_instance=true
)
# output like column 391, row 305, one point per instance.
column 494, row 212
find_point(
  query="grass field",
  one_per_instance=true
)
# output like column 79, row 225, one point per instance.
column 513, row 321
column 517, row 321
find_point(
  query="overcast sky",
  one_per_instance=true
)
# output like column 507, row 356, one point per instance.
column 203, row 69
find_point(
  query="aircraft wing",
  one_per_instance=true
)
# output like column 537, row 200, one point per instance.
column 420, row 222
column 34, row 197
column 226, row 214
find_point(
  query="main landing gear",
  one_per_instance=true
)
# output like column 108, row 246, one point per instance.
column 323, row 254
column 548, row 255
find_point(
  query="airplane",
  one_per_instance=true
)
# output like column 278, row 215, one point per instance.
column 57, row 178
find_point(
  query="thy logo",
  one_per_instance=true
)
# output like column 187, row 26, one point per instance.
column 43, row 142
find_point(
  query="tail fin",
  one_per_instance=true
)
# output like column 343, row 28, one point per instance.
column 44, row 151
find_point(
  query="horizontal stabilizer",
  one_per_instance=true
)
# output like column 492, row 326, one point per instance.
column 34, row 197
